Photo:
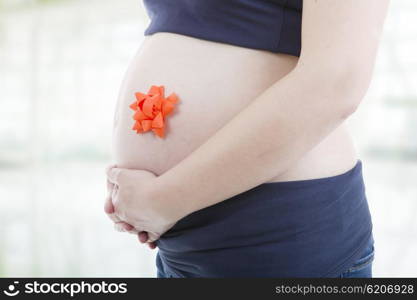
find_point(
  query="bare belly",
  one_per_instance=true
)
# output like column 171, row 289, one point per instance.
column 214, row 82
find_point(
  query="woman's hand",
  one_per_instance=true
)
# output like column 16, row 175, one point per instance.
column 119, row 225
column 131, row 204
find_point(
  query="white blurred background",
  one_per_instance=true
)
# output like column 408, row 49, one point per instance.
column 61, row 64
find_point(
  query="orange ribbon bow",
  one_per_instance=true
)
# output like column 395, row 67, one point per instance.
column 151, row 110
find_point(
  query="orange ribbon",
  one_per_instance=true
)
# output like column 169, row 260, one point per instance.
column 151, row 110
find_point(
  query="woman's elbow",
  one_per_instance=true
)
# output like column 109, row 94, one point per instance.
column 344, row 84
column 350, row 87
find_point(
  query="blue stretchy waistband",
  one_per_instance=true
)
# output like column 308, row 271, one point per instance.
column 305, row 228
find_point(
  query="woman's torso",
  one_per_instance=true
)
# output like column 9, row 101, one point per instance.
column 214, row 82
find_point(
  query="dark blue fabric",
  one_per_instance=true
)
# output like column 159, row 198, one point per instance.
column 271, row 25
column 305, row 228
column 362, row 268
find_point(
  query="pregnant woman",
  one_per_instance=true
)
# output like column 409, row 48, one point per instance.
column 255, row 173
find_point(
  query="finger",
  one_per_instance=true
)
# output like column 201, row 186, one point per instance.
column 110, row 187
column 110, row 167
column 118, row 227
column 152, row 245
column 143, row 236
column 109, row 183
column 126, row 226
column 109, row 210
column 152, row 237
column 113, row 217
column 134, row 231
column 108, row 206
column 115, row 191
column 113, row 175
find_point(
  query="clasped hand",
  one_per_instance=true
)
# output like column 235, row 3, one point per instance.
column 132, row 205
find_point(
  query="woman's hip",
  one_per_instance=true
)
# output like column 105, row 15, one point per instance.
column 306, row 228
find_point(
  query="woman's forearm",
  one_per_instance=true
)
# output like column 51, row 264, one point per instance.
column 262, row 141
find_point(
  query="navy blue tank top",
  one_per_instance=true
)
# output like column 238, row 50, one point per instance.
column 272, row 25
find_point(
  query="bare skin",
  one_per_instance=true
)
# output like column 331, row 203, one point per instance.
column 213, row 88
column 262, row 117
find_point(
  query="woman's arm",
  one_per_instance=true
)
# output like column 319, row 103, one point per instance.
column 339, row 44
